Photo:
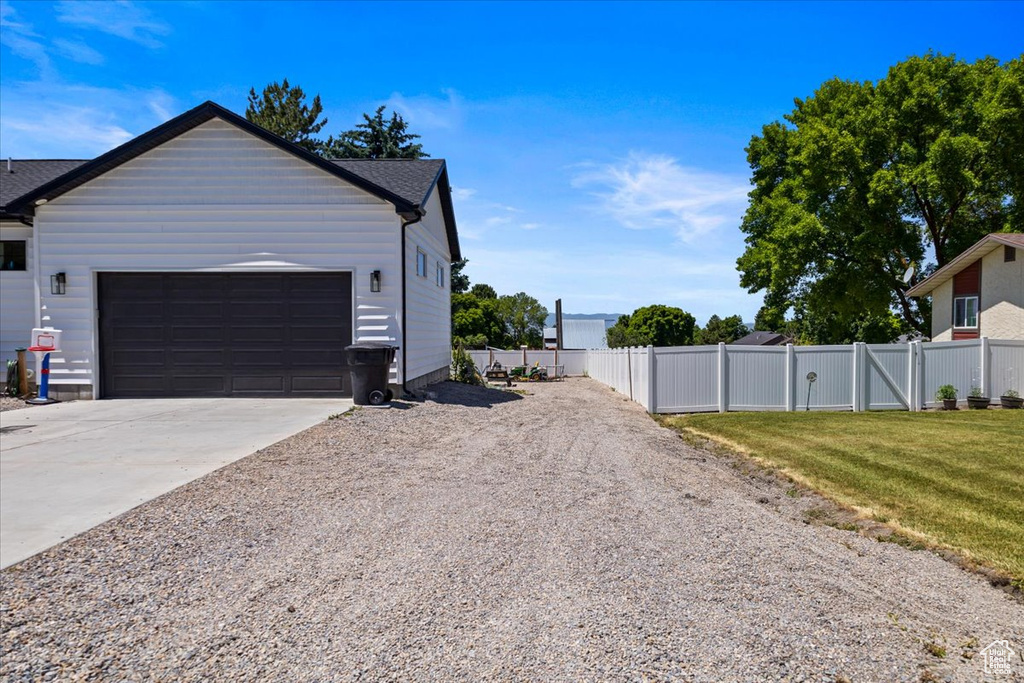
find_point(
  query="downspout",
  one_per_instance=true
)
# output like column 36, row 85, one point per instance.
column 417, row 216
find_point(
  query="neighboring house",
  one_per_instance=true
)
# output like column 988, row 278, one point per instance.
column 980, row 293
column 578, row 334
column 764, row 339
column 210, row 257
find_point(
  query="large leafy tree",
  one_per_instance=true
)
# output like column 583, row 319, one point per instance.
column 281, row 108
column 524, row 319
column 721, row 330
column 377, row 138
column 460, row 281
column 652, row 325
column 477, row 321
column 863, row 180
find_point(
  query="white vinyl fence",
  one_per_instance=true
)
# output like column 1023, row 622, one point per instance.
column 689, row 379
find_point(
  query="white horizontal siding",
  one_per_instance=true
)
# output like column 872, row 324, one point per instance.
column 17, row 297
column 218, row 200
column 428, row 313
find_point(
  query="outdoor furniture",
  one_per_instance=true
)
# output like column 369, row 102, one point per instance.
column 496, row 373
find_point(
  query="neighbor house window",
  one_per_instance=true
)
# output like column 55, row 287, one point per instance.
column 965, row 311
column 421, row 263
column 12, row 255
column 440, row 274
column 1009, row 253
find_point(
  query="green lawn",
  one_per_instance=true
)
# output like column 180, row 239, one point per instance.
column 955, row 479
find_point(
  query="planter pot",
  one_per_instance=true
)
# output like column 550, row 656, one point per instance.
column 1013, row 402
column 978, row 402
column 949, row 404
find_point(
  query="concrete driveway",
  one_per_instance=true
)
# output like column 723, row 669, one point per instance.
column 65, row 468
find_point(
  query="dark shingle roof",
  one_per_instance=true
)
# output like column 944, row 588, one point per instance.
column 763, row 339
column 410, row 179
column 28, row 174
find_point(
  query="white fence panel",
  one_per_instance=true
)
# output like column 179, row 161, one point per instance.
column 1006, row 367
column 957, row 363
column 639, row 368
column 575, row 362
column 833, row 388
column 894, row 360
column 756, row 378
column 686, row 379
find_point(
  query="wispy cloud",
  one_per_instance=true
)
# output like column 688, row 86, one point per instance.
column 77, row 51
column 21, row 39
column 427, row 112
column 654, row 191
column 66, row 121
column 122, row 19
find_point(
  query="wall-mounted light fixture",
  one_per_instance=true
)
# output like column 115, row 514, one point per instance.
column 58, row 283
column 375, row 281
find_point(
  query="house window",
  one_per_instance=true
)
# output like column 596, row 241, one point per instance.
column 440, row 274
column 12, row 255
column 1009, row 253
column 965, row 311
column 421, row 263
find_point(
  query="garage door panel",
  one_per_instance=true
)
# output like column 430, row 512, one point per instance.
column 198, row 384
column 198, row 358
column 211, row 334
column 142, row 336
column 326, row 385
column 219, row 334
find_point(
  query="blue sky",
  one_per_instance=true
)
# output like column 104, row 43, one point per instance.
column 596, row 148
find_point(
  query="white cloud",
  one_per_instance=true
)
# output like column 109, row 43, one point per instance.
column 122, row 19
column 653, row 191
column 427, row 112
column 77, row 51
column 21, row 39
column 462, row 194
column 64, row 121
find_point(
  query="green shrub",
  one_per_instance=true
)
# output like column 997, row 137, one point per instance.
column 946, row 391
column 463, row 369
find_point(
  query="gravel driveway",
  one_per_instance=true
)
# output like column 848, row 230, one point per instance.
column 482, row 535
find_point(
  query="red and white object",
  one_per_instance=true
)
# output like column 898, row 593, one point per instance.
column 45, row 340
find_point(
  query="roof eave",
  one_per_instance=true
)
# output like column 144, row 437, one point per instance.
column 978, row 250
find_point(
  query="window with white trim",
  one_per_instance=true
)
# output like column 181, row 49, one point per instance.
column 439, row 275
column 421, row 262
column 965, row 311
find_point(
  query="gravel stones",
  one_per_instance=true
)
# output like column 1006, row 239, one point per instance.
column 484, row 535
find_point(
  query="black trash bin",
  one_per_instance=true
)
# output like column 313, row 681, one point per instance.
column 370, row 364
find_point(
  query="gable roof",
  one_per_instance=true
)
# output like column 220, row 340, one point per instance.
column 762, row 338
column 405, row 183
column 26, row 175
column 976, row 251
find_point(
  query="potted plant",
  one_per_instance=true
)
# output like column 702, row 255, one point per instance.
column 1011, row 399
column 976, row 401
column 947, row 394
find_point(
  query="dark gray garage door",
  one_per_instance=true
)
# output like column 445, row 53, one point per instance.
column 213, row 334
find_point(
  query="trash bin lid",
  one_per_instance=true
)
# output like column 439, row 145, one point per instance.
column 370, row 346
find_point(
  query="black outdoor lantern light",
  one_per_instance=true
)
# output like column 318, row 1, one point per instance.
column 375, row 281
column 58, row 283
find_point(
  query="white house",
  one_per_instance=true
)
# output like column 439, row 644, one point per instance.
column 210, row 257
column 980, row 293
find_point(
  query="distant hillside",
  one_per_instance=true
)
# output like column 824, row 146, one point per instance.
column 609, row 318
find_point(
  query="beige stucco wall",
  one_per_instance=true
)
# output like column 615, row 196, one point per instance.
column 1002, row 296
column 942, row 312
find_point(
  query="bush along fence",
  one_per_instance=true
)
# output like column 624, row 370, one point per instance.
column 856, row 377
